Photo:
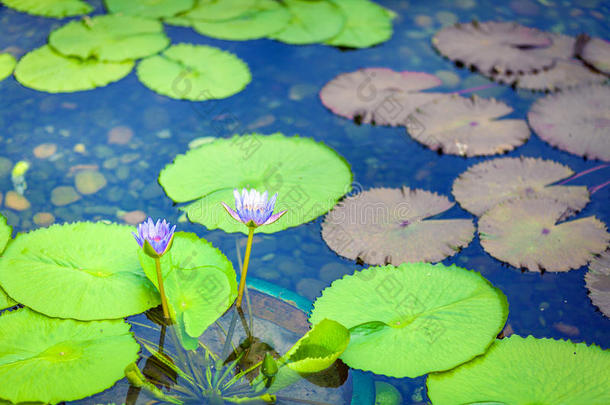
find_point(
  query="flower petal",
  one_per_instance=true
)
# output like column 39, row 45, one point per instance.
column 234, row 214
column 274, row 217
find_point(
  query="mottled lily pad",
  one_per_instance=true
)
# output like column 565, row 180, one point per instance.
column 94, row 265
column 385, row 225
column 467, row 126
column 366, row 24
column 377, row 95
column 311, row 22
column 266, row 17
column 596, row 52
column 46, row 70
column 525, row 234
column 308, row 176
column 194, row 72
column 7, row 64
column 597, row 280
column 575, row 120
column 51, row 360
column 494, row 47
column 409, row 320
column 50, row 8
column 111, row 38
column 489, row 183
column 519, row 370
column 149, row 8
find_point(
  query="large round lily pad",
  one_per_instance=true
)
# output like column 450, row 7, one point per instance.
column 111, row 38
column 7, row 64
column 385, row 225
column 575, row 120
column 563, row 75
column 493, row 46
column 366, row 24
column 194, row 72
column 596, row 52
column 311, row 22
column 266, row 17
column 597, row 280
column 81, row 270
column 467, row 126
column 488, row 183
column 50, row 8
column 378, row 96
column 219, row 10
column 46, row 70
column 51, row 360
column 149, row 8
column 409, row 320
column 5, row 236
column 308, row 176
column 527, row 370
column 525, row 234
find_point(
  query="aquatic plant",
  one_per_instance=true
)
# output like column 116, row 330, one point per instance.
column 597, row 281
column 50, row 8
column 596, row 52
column 366, row 24
column 519, row 370
column 409, row 320
column 147, row 8
column 311, row 22
column 7, row 64
column 5, row 237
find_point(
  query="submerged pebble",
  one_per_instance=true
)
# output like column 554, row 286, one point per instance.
column 120, row 135
column 134, row 217
column 45, row 150
column 43, row 218
column 310, row 288
column 64, row 195
column 89, row 181
column 16, row 201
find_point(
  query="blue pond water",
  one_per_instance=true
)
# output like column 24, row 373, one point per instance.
column 283, row 97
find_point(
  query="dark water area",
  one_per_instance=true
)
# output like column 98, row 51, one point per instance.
column 283, row 97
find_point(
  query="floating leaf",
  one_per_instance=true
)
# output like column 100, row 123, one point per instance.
column 7, row 64
column 493, row 47
column 266, row 17
column 311, row 22
column 596, row 52
column 385, row 225
column 525, row 234
column 467, row 126
column 218, row 10
column 93, row 266
column 50, row 8
column 5, row 236
column 366, row 24
column 194, row 72
column 111, row 38
column 52, row 360
column 149, row 8
column 409, row 320
column 489, row 183
column 308, row 176
column 378, row 95
column 597, row 280
column 519, row 370
column 46, row 70
column 575, row 120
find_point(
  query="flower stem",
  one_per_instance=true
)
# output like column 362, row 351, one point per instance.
column 162, row 289
column 244, row 271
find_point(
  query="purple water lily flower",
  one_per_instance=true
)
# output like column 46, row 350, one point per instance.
column 253, row 208
column 158, row 236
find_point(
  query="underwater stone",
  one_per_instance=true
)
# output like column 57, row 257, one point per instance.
column 120, row 135
column 43, row 218
column 16, row 201
column 134, row 217
column 64, row 195
column 310, row 288
column 89, row 181
column 45, row 150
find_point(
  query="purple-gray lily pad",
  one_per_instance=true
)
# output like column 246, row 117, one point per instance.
column 489, row 183
column 494, row 47
column 597, row 280
column 525, row 234
column 391, row 226
column 575, row 120
column 379, row 96
column 467, row 126
column 596, row 52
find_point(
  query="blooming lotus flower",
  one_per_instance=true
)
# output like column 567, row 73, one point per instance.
column 253, row 208
column 155, row 238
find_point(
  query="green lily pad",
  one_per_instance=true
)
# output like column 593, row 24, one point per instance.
column 367, row 24
column 94, row 266
column 200, row 284
column 527, row 370
column 525, row 234
column 5, row 236
column 218, row 10
column 53, row 360
column 308, row 176
column 409, row 320
column 597, row 281
column 50, row 8
column 149, row 8
column 7, row 65
column 265, row 18
column 110, row 38
column 46, row 70
column 194, row 72
column 311, row 22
